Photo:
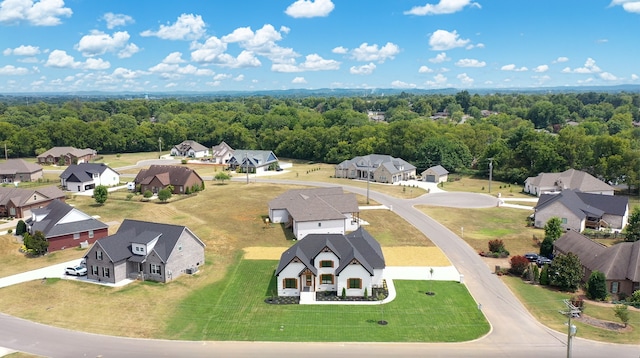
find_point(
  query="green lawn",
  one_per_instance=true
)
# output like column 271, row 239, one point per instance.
column 234, row 309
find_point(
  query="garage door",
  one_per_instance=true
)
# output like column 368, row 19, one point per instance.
column 431, row 178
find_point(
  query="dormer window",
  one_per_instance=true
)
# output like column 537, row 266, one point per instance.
column 326, row 263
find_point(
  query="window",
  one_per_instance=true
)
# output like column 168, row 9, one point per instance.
column 98, row 255
column 564, row 221
column 319, row 224
column 354, row 283
column 179, row 247
column 290, row 283
column 326, row 279
column 76, row 236
column 614, row 287
column 91, row 234
column 326, row 263
column 105, row 271
column 155, row 269
column 94, row 270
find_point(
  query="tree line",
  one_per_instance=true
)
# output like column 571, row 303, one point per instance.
column 524, row 134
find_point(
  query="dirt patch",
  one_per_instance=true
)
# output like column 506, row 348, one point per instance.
column 612, row 326
column 263, row 253
column 493, row 262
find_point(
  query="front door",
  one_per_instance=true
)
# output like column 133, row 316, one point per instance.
column 309, row 281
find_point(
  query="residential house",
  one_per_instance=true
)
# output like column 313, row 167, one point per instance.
column 253, row 161
column 569, row 179
column 435, row 174
column 158, row 177
column 380, row 168
column 331, row 262
column 65, row 226
column 18, row 203
column 19, row 170
column 145, row 250
column 579, row 210
column 86, row 176
column 67, row 155
column 190, row 148
column 619, row 263
column 315, row 211
column 221, row 153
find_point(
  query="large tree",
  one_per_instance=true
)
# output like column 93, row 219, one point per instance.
column 100, row 194
column 552, row 231
column 565, row 272
column 632, row 231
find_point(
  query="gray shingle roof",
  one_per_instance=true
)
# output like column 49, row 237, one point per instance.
column 14, row 166
column 83, row 172
column 316, row 204
column 359, row 245
column 53, row 213
column 438, row 169
column 570, row 179
column 61, row 151
column 583, row 204
column 392, row 164
column 256, row 158
column 190, row 144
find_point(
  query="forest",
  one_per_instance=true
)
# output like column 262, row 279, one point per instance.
column 524, row 134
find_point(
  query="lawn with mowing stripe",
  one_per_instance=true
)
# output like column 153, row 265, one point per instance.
column 234, row 309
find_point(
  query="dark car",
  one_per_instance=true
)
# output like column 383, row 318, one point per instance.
column 531, row 257
column 541, row 261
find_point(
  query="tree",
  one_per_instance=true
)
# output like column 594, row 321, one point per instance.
column 597, row 286
column 632, row 231
column 544, row 275
column 622, row 312
column 100, row 194
column 546, row 247
column 552, row 231
column 518, row 265
column 164, row 195
column 36, row 244
column 21, row 227
column 222, row 176
column 566, row 272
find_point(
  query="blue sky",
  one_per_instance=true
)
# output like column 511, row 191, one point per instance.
column 191, row 45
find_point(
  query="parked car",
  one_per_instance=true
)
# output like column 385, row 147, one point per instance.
column 76, row 270
column 541, row 261
column 531, row 257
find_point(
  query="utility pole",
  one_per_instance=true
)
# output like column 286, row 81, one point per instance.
column 159, row 147
column 571, row 329
column 6, row 155
column 490, row 172
column 368, row 175
column 246, row 165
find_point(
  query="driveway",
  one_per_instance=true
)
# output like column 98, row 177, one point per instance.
column 53, row 271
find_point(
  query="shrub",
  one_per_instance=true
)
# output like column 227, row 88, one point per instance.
column 635, row 297
column 622, row 312
column 183, row 161
column 21, row 227
column 536, row 273
column 366, row 293
column 147, row 194
column 544, row 275
column 344, row 293
column 496, row 245
column 518, row 265
column 597, row 286
column 10, row 231
column 129, row 196
column 164, row 195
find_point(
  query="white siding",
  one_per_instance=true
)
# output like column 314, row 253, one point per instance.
column 292, row 270
column 354, row 271
column 323, row 256
column 108, row 178
column 302, row 229
column 279, row 216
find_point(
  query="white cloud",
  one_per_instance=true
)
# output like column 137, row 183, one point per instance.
column 22, row 50
column 608, row 76
column 299, row 80
column 125, row 73
column 470, row 62
column 28, row 60
column 174, row 57
column 262, row 42
column 541, row 79
column 214, row 83
column 128, row 51
column 634, row 77
column 363, row 70
column 310, row 8
column 340, row 50
column 441, row 57
column 41, row 13
column 442, row 40
column 465, row 79
column 60, row 59
column 96, row 64
column 115, row 20
column 209, row 51
column 541, row 68
column 401, row 84
column 632, row 6
column 99, row 43
column 512, row 67
column 170, row 85
column 186, row 27
column 424, row 69
column 561, row 59
column 222, row 76
column 10, row 70
column 589, row 67
column 443, row 7
column 373, row 53
column 239, row 78
column 313, row 62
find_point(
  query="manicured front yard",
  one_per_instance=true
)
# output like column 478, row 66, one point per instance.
column 234, row 309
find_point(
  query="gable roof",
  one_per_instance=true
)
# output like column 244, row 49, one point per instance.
column 583, row 204
column 373, row 161
column 50, row 225
column 586, row 249
column 83, row 172
column 256, row 158
column 438, row 169
column 118, row 246
column 221, row 148
column 316, row 204
column 190, row 144
column 570, row 179
column 20, row 196
column 15, row 166
column 167, row 174
column 359, row 245
column 62, row 151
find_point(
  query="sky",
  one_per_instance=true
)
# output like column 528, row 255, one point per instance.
column 151, row 46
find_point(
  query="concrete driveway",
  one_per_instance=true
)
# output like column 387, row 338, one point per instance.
column 53, row 271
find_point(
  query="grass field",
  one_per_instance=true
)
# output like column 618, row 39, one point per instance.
column 234, row 309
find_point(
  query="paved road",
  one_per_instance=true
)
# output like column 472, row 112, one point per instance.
column 515, row 333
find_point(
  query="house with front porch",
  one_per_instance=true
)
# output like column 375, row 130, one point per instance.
column 378, row 167
column 146, row 251
column 221, row 153
column 331, row 262
column 191, row 149
column 316, row 211
column 570, row 179
column 157, row 177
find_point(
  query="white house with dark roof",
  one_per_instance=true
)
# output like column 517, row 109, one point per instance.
column 579, row 210
column 253, row 161
column 316, row 211
column 86, row 176
column 331, row 262
column 435, row 174
column 19, row 170
column 190, row 148
column 145, row 250
column 568, row 179
column 65, row 226
column 380, row 168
